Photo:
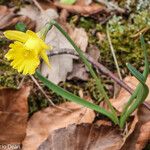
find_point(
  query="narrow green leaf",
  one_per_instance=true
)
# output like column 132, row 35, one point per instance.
column 146, row 68
column 69, row 96
column 136, row 73
column 141, row 91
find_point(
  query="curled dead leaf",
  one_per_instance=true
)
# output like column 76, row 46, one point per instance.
column 80, row 37
column 13, row 114
column 9, row 19
column 44, row 122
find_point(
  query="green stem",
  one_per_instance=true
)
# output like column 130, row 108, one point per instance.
column 43, row 32
column 88, row 65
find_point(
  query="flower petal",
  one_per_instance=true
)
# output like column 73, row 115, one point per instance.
column 45, row 57
column 31, row 34
column 16, row 35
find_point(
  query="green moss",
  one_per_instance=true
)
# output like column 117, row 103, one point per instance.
column 123, row 36
column 86, row 23
column 8, row 76
column 36, row 102
column 12, row 3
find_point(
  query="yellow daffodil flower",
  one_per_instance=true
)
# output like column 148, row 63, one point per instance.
column 26, row 51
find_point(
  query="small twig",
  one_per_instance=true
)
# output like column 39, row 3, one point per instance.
column 41, row 89
column 21, row 82
column 97, row 65
column 113, row 52
column 147, row 105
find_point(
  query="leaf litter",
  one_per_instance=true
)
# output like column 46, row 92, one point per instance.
column 42, row 123
column 13, row 114
column 9, row 19
column 48, row 126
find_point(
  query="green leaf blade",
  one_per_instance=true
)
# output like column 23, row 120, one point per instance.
column 67, row 95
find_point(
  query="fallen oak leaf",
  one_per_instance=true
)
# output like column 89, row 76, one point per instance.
column 83, row 137
column 83, row 10
column 13, row 114
column 42, row 123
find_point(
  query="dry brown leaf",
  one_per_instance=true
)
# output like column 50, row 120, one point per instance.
column 80, row 37
column 29, row 11
column 144, row 136
column 103, row 122
column 84, row 137
column 63, row 64
column 141, row 133
column 84, row 10
column 94, row 52
column 60, row 65
column 83, row 2
column 136, row 138
column 46, row 4
column 45, row 17
column 13, row 115
column 79, row 72
column 124, row 96
column 44, row 122
column 9, row 19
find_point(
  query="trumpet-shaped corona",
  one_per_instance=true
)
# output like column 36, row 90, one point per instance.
column 26, row 51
